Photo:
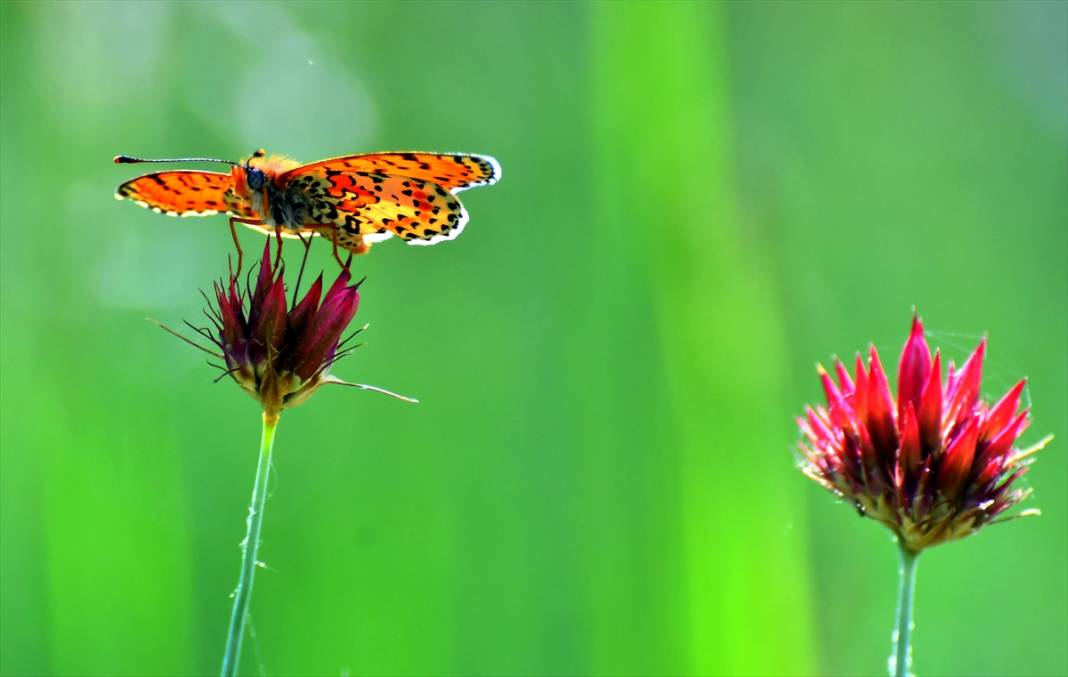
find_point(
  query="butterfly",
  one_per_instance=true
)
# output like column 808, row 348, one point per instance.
column 353, row 200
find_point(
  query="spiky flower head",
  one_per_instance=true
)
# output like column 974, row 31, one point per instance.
column 280, row 355
column 934, row 465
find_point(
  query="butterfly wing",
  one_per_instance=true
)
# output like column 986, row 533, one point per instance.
column 185, row 193
column 452, row 171
column 375, row 205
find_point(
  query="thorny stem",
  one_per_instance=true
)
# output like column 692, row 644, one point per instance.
column 249, row 547
column 901, row 655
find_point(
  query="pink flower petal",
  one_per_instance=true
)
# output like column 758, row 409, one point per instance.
column 965, row 393
column 930, row 412
column 913, row 370
column 1002, row 413
column 880, row 408
column 957, row 462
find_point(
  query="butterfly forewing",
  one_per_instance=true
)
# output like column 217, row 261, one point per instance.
column 185, row 193
column 451, row 171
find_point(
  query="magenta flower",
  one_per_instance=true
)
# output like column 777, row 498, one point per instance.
column 281, row 355
column 934, row 465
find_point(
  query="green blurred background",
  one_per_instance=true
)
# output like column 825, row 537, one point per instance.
column 699, row 202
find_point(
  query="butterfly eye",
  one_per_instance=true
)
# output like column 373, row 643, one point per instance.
column 256, row 178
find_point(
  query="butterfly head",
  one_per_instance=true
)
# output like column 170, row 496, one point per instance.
column 255, row 178
column 259, row 169
column 249, row 176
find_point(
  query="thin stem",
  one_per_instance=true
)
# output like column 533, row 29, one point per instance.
column 249, row 547
column 300, row 273
column 901, row 656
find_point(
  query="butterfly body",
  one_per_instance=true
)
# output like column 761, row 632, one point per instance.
column 354, row 200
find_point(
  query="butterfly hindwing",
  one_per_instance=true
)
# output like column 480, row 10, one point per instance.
column 375, row 205
column 185, row 193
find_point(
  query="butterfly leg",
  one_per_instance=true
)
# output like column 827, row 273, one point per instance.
column 278, row 249
column 334, row 237
column 338, row 238
column 303, row 261
column 237, row 243
column 354, row 242
column 337, row 257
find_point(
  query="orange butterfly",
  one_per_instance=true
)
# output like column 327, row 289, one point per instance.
column 354, row 200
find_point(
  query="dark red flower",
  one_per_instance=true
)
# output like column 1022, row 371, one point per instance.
column 934, row 465
column 278, row 355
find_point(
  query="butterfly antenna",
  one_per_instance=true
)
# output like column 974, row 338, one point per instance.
column 127, row 160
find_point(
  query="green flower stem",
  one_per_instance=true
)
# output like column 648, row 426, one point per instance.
column 901, row 658
column 249, row 547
